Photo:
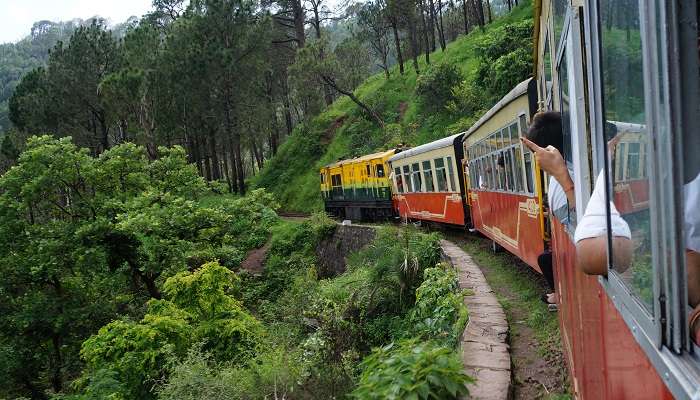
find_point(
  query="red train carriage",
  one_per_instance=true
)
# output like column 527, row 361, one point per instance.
column 626, row 333
column 500, row 177
column 426, row 182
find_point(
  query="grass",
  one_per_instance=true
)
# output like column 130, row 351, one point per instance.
column 342, row 131
column 506, row 274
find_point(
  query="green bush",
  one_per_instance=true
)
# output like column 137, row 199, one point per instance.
column 505, row 59
column 439, row 312
column 434, row 87
column 412, row 370
column 199, row 308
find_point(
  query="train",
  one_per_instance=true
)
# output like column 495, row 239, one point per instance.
column 624, row 77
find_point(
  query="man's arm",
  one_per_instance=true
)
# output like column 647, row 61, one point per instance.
column 552, row 162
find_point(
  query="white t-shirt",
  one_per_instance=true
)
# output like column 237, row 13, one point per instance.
column 691, row 214
column 593, row 223
column 559, row 204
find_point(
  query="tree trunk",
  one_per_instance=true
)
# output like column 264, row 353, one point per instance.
column 479, row 8
column 227, row 171
column 56, row 377
column 431, row 25
column 257, row 153
column 216, row 170
column 234, row 134
column 488, row 8
column 234, row 166
column 372, row 113
column 207, row 165
column 466, row 19
column 425, row 32
column 299, row 22
column 397, row 42
column 441, row 28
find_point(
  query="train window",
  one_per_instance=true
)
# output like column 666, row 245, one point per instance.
column 495, row 173
column 527, row 161
column 380, row 171
column 322, row 178
column 564, row 108
column 440, row 174
column 559, row 12
column 415, row 174
column 508, row 165
column 428, row 175
column 450, row 173
column 514, row 134
column 547, row 81
column 407, row 178
column 369, row 171
column 517, row 164
column 399, row 179
column 522, row 121
column 624, row 112
column 632, row 167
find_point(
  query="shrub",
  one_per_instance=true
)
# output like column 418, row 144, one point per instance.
column 434, row 87
column 439, row 312
column 412, row 370
column 505, row 59
column 198, row 308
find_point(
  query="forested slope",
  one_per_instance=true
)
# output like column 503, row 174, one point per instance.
column 446, row 97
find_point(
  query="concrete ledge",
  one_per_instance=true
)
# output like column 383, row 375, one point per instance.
column 484, row 343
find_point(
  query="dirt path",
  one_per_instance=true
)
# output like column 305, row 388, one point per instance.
column 539, row 371
column 255, row 260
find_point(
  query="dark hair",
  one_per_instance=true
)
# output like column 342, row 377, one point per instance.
column 545, row 130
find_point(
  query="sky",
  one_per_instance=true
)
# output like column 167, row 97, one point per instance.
column 17, row 16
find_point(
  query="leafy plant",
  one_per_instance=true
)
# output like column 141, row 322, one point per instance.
column 439, row 312
column 412, row 370
column 434, row 87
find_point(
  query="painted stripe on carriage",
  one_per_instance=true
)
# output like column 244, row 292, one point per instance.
column 531, row 209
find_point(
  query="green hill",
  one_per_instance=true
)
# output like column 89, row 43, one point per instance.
column 491, row 61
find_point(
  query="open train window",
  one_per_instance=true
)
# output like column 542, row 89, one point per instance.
column 407, row 178
column 380, row 171
column 440, row 174
column 415, row 175
column 428, row 175
column 399, row 180
column 450, row 174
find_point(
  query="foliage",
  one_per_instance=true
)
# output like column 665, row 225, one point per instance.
column 198, row 308
column 410, row 369
column 84, row 240
column 434, row 86
column 505, row 58
column 439, row 311
column 273, row 373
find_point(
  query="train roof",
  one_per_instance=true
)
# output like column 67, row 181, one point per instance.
column 438, row 144
column 517, row 91
column 366, row 157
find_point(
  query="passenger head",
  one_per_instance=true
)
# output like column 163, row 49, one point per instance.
column 545, row 130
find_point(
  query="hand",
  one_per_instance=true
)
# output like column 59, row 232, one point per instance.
column 549, row 159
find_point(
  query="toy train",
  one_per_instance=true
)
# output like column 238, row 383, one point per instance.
column 624, row 334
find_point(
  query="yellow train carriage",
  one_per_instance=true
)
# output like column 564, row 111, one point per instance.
column 358, row 188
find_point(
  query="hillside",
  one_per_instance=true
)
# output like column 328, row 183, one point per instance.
column 501, row 49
